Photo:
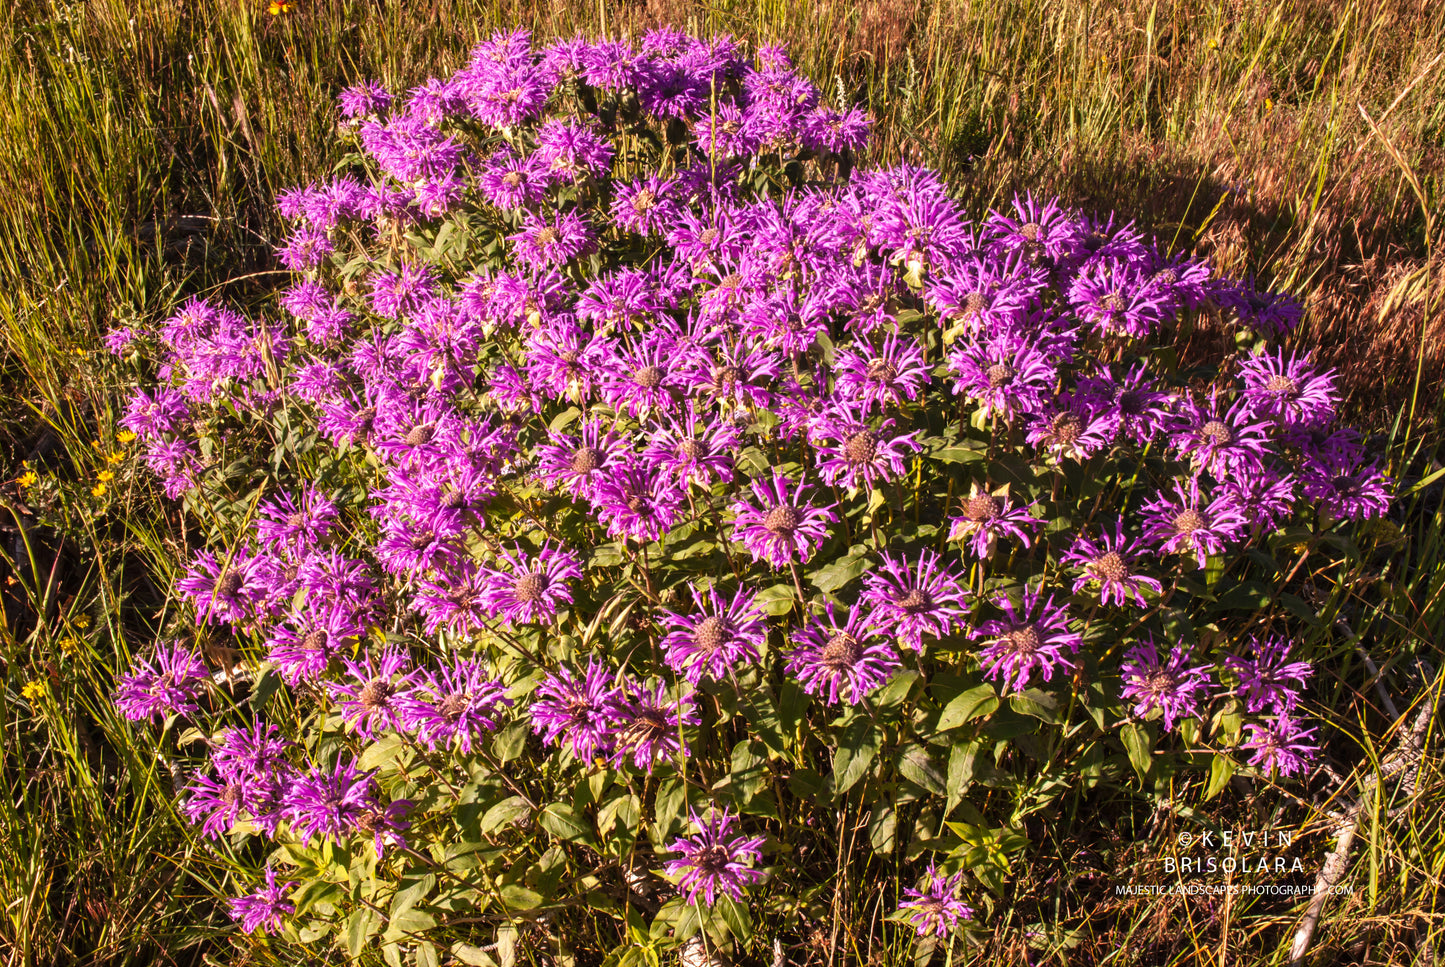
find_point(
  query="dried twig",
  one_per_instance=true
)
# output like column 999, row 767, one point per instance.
column 1405, row 758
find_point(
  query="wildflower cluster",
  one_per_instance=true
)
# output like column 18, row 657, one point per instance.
column 640, row 459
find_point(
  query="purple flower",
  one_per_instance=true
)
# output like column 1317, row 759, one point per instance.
column 296, row 526
column 305, row 248
column 1352, row 491
column 910, row 600
column 853, row 454
column 151, row 416
column 569, row 150
column 1131, row 403
column 693, row 450
column 633, row 504
column 987, row 516
column 1110, row 562
column 545, row 242
column 218, row 805
column 1267, row 313
column 714, row 862
column 257, row 751
column 713, row 641
column 1268, row 680
column 1116, row 297
column 511, row 181
column 266, row 909
column 1037, row 231
column 584, row 710
column 303, row 646
column 368, row 98
column 1028, row 640
column 385, row 825
column 454, row 707
column 1173, row 686
column 841, row 663
column 400, row 293
column 646, row 206
column 1280, row 743
column 531, row 589
column 1070, row 429
column 170, row 686
column 456, row 600
column 935, row 909
column 882, row 377
column 1188, row 522
column 649, row 728
column 1005, row 372
column 329, row 804
column 1220, row 442
column 644, row 379
column 1289, row 389
column 785, row 527
column 580, row 465
column 370, row 699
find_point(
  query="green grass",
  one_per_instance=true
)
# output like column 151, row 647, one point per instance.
column 141, row 147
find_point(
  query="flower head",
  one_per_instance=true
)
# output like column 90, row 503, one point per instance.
column 1174, row 686
column 715, row 639
column 1029, row 639
column 784, row 527
column 714, row 862
column 911, row 599
column 936, row 909
column 841, row 662
column 265, row 909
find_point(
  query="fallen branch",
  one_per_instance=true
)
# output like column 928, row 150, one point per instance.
column 1405, row 758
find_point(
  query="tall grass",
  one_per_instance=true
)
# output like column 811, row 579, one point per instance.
column 142, row 144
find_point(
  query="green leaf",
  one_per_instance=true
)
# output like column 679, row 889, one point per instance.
column 1139, row 746
column 564, row 822
column 518, row 897
column 857, row 748
column 409, row 923
column 961, row 761
column 883, row 830
column 381, row 753
column 1220, row 773
column 510, row 742
column 671, row 798
column 1038, row 704
column 360, row 927
column 411, row 892
column 505, row 813
column 958, row 455
column 839, row 574
column 776, row 600
column 978, row 702
column 735, row 915
column 917, row 766
column 472, row 956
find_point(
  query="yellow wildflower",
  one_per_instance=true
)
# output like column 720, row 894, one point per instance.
column 124, row 436
column 71, row 646
column 114, row 457
column 97, row 490
column 33, row 690
column 278, row 6
column 81, row 621
column 27, row 478
column 105, row 475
